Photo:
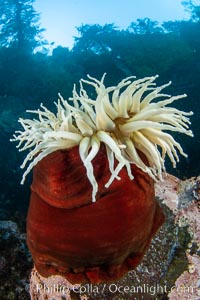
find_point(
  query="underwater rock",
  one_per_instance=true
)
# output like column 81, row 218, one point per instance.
column 54, row 287
column 15, row 262
column 187, row 286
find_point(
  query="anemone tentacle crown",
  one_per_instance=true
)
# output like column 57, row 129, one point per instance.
column 127, row 118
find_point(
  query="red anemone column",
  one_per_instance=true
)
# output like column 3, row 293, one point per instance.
column 69, row 235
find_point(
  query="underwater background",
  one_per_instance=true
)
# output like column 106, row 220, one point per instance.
column 33, row 72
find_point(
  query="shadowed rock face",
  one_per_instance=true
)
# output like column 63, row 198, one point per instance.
column 83, row 241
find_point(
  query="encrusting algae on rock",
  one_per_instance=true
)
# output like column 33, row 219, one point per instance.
column 93, row 211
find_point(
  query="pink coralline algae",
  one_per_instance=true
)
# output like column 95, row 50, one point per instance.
column 187, row 286
column 183, row 197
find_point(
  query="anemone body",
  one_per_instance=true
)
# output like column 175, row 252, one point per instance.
column 92, row 212
column 83, row 241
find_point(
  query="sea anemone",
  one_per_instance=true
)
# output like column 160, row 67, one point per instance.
column 126, row 118
column 93, row 211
